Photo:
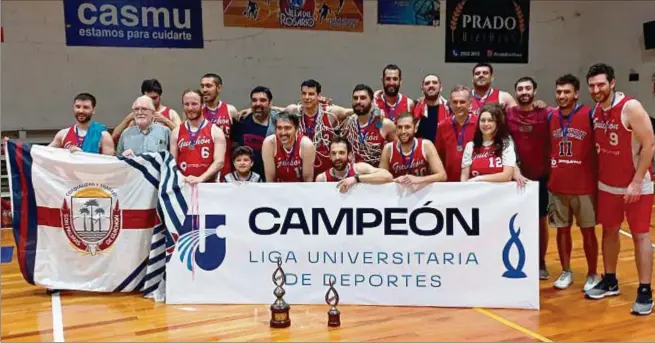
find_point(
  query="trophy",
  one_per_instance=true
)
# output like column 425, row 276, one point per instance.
column 280, row 308
column 332, row 299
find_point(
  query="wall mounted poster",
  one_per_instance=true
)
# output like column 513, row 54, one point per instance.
column 324, row 15
column 495, row 31
column 409, row 12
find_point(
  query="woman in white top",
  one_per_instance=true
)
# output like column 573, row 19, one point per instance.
column 490, row 156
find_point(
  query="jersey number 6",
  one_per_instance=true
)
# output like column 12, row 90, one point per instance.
column 204, row 152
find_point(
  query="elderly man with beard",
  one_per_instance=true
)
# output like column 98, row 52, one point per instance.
column 367, row 131
column 390, row 100
column 86, row 135
column 431, row 108
column 143, row 136
column 347, row 173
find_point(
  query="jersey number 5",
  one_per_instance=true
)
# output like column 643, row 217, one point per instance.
column 566, row 148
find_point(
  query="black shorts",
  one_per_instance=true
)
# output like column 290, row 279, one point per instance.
column 543, row 197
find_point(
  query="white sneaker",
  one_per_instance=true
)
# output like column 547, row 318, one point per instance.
column 564, row 280
column 592, row 281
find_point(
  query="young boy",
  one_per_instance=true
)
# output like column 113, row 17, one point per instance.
column 242, row 160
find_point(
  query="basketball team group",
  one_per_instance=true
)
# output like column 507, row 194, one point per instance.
column 592, row 162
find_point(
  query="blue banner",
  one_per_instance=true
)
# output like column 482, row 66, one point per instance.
column 134, row 23
column 409, row 12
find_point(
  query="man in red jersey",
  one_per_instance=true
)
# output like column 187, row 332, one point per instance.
column 347, row 173
column 218, row 112
column 367, row 130
column 318, row 121
column 483, row 93
column 431, row 108
column 411, row 161
column 86, row 135
column 625, row 146
column 164, row 115
column 390, row 100
column 197, row 145
column 572, row 181
column 454, row 132
column 288, row 155
column 529, row 128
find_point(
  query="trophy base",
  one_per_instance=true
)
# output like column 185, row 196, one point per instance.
column 280, row 318
column 334, row 320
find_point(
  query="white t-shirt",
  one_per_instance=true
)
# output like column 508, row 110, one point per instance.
column 508, row 157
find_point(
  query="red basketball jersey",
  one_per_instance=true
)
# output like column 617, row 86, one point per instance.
column 392, row 111
column 485, row 162
column 166, row 113
column 492, row 97
column 195, row 150
column 572, row 155
column 413, row 163
column 221, row 118
column 309, row 127
column 618, row 151
column 350, row 171
column 370, row 133
column 451, row 140
column 72, row 138
column 288, row 164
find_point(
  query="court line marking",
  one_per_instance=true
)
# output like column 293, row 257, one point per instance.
column 57, row 320
column 512, row 324
column 626, row 233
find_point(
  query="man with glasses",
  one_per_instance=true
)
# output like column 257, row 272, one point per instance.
column 143, row 136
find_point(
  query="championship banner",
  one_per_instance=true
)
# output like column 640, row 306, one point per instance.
column 134, row 23
column 323, row 15
column 446, row 244
column 409, row 12
column 84, row 221
column 495, row 31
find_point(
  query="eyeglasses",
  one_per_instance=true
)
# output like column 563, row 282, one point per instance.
column 142, row 109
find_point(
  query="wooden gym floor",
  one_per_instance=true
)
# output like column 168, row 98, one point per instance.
column 28, row 314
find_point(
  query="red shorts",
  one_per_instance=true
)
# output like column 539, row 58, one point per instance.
column 612, row 209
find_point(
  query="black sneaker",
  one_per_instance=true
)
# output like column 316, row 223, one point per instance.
column 644, row 304
column 604, row 288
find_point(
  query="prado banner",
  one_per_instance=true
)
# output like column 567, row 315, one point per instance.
column 134, row 23
column 495, row 31
column 409, row 12
column 324, row 15
column 445, row 244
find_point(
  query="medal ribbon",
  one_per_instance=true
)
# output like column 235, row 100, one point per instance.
column 194, row 135
column 607, row 118
column 565, row 128
column 309, row 130
column 411, row 154
column 77, row 137
column 485, row 98
column 391, row 111
column 212, row 115
column 460, row 135
column 362, row 135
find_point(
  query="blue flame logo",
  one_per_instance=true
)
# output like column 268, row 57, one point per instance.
column 188, row 245
column 511, row 272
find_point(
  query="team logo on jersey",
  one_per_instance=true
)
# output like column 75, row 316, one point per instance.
column 91, row 217
column 207, row 251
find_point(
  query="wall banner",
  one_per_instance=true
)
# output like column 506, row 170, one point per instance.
column 409, row 12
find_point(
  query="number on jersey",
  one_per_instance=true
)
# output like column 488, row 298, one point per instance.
column 495, row 162
column 614, row 139
column 566, row 148
column 204, row 152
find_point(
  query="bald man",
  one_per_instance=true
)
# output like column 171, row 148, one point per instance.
column 143, row 136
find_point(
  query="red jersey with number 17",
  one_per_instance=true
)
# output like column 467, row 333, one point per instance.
column 413, row 163
column 221, row 118
column 572, row 152
column 195, row 150
column 288, row 164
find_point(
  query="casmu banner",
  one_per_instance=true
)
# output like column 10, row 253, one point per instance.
column 447, row 244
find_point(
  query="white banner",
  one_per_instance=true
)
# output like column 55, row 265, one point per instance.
column 447, row 244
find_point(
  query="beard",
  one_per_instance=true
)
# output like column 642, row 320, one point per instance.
column 430, row 97
column 339, row 165
column 525, row 99
column 391, row 90
column 83, row 118
column 361, row 110
column 192, row 115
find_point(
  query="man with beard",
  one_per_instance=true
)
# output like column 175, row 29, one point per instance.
column 197, row 145
column 288, row 155
column 483, row 93
column 625, row 144
column 572, row 182
column 86, row 135
column 144, row 136
column 164, row 115
column 318, row 121
column 348, row 173
column 411, row 161
column 456, row 131
column 258, row 124
column 218, row 112
column 367, row 131
column 390, row 100
column 431, row 108
column 529, row 128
